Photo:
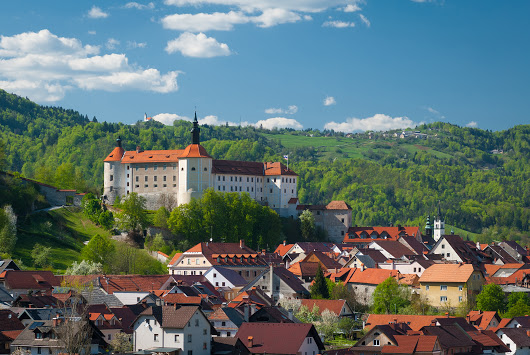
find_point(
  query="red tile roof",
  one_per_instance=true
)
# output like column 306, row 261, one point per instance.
column 391, row 232
column 334, row 306
column 195, row 151
column 30, row 280
column 175, row 258
column 283, row 249
column 415, row 322
column 115, row 155
column 151, row 156
column 338, row 205
column 371, row 276
column 180, row 298
column 482, row 319
column 277, row 168
column 447, row 273
column 117, row 283
column 410, row 344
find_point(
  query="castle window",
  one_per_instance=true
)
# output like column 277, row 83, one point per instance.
column 145, row 167
column 231, row 178
column 247, row 189
column 111, row 177
column 251, row 179
column 137, row 186
column 282, row 179
column 205, row 169
column 268, row 180
column 146, row 185
column 155, row 178
column 284, row 191
column 146, row 178
column 240, row 179
column 174, row 178
column 240, row 187
column 137, row 179
column 174, row 185
column 165, row 185
column 218, row 188
column 231, row 188
column 164, row 178
column 271, row 191
column 156, row 166
column 247, row 178
column 128, row 167
column 274, row 179
column 181, row 169
column 218, row 178
column 224, row 188
column 223, row 178
column 165, row 166
column 193, row 169
column 127, row 183
column 252, row 189
column 111, row 188
column 156, row 185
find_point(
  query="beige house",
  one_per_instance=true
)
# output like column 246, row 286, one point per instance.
column 447, row 285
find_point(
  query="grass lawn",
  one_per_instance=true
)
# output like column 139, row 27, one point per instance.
column 340, row 343
column 63, row 230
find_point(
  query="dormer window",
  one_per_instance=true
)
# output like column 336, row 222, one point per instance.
column 218, row 260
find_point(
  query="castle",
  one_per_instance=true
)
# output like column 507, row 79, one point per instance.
column 180, row 175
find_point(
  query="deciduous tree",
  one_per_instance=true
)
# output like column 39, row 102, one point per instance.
column 491, row 298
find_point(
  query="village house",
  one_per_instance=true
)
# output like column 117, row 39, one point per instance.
column 339, row 307
column 516, row 339
column 227, row 320
column 282, row 284
column 453, row 248
column 183, row 328
column 233, row 256
column 448, row 285
column 226, row 281
column 18, row 282
column 364, row 282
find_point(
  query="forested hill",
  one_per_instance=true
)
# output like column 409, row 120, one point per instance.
column 480, row 177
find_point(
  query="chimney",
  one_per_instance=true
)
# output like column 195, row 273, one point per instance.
column 468, row 319
column 250, row 342
column 284, row 242
column 528, row 333
column 138, row 149
column 433, row 323
column 247, row 312
column 241, row 243
column 290, row 313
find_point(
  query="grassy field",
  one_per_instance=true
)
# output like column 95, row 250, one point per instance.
column 63, row 230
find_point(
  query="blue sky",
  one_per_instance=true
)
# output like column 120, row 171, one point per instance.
column 341, row 64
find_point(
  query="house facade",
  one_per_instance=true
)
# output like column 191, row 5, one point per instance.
column 180, row 175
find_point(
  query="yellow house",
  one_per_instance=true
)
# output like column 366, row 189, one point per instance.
column 447, row 285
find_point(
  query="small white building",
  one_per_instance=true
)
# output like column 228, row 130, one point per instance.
column 183, row 328
column 517, row 339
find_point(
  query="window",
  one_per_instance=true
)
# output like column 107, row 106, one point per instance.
column 156, row 178
column 111, row 177
column 376, row 342
column 460, row 288
column 414, row 269
column 443, row 287
column 155, row 185
column 164, row 178
column 165, row 185
column 309, row 340
column 174, row 178
column 197, row 261
column 231, row 178
column 197, row 322
column 193, row 169
column 156, row 167
column 38, row 350
column 204, row 331
column 127, row 176
column 218, row 188
column 189, row 261
column 443, row 246
column 189, row 338
column 223, row 178
column 165, row 166
column 217, row 284
column 204, row 346
column 448, row 254
column 155, row 337
column 137, row 179
column 460, row 298
column 228, row 334
column 147, row 321
column 443, row 298
column 427, row 288
column 223, row 324
column 176, row 338
column 109, row 337
column 146, row 178
column 214, row 274
column 342, row 220
column 145, row 167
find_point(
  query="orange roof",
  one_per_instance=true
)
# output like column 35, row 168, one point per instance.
column 411, row 344
column 12, row 334
column 151, row 156
column 334, row 306
column 277, row 168
column 180, row 298
column 338, row 205
column 175, row 258
column 195, row 151
column 163, row 254
column 447, row 273
column 371, row 276
column 283, row 249
column 483, row 246
column 491, row 268
column 503, row 323
column 409, row 279
column 115, row 155
column 483, row 318
column 392, row 233
column 94, row 316
column 415, row 322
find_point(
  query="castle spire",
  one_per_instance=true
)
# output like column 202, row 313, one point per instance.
column 195, row 131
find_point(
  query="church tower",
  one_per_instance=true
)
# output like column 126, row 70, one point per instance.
column 439, row 225
column 428, row 228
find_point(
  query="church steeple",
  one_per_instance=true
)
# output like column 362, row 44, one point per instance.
column 195, row 131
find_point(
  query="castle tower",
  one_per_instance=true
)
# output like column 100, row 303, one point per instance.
column 194, row 167
column 113, row 174
column 439, row 225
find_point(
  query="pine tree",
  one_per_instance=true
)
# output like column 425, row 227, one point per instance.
column 319, row 290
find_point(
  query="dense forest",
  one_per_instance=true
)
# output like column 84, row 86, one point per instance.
column 384, row 178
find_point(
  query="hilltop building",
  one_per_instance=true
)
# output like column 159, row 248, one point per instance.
column 180, row 175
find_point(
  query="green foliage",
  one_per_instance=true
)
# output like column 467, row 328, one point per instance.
column 160, row 218
column 8, row 230
column 106, row 220
column 226, row 217
column 130, row 260
column 157, row 243
column 514, row 297
column 308, row 316
column 518, row 309
column 121, row 343
column 99, row 249
column 491, row 298
column 319, row 289
column 390, row 297
column 307, row 225
column 41, row 256
column 85, row 267
column 133, row 216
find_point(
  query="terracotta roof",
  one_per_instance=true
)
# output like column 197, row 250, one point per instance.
column 482, row 319
column 334, row 306
column 195, row 151
column 151, row 156
column 391, row 232
column 277, row 168
column 265, row 337
column 371, row 276
column 326, row 262
column 410, row 344
column 30, row 280
column 488, row 338
column 338, row 205
column 117, row 283
column 409, row 279
column 175, row 258
column 115, row 155
column 283, row 249
column 304, row 269
column 415, row 322
column 180, row 298
column 447, row 273
column 252, row 296
column 491, row 269
column 292, row 200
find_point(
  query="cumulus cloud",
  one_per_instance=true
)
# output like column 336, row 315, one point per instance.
column 96, row 12
column 250, row 6
column 472, row 124
column 277, row 16
column 112, row 43
column 338, row 24
column 169, row 118
column 198, row 46
column 201, row 22
column 351, row 8
column 135, row 5
column 378, row 122
column 44, row 67
column 279, row 122
column 365, row 20
column 329, row 100
column 291, row 110
column 134, row 44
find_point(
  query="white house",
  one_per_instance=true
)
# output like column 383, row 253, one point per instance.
column 517, row 339
column 183, row 328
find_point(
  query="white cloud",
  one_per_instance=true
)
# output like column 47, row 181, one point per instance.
column 434, row 112
column 134, row 44
column 198, row 46
column 338, row 24
column 96, row 12
column 365, row 20
column 135, row 5
column 472, row 124
column 291, row 110
column 45, row 67
column 169, row 118
column 378, row 122
column 329, row 100
column 249, row 6
column 112, row 43
column 201, row 22
column 277, row 16
column 351, row 8
column 279, row 122
column 92, row 33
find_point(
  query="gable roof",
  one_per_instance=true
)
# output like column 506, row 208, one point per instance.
column 9, row 321
column 415, row 322
column 227, row 313
column 449, row 336
column 115, row 155
column 119, row 283
column 482, row 319
column 30, row 280
column 282, row 249
column 447, row 273
column 410, row 344
column 466, row 251
column 518, row 335
column 174, row 259
column 170, row 316
column 371, row 276
column 151, row 156
column 265, row 337
column 355, row 234
column 325, row 261
column 338, row 205
column 304, row 269
column 396, row 249
column 334, row 306
column 232, row 276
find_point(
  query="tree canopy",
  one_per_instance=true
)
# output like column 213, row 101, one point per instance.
column 390, row 297
column 491, row 298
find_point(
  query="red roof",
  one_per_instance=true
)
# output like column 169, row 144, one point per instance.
column 391, row 233
column 371, row 276
column 334, row 306
column 31, row 280
column 415, row 322
column 180, row 298
column 195, row 151
column 277, row 168
column 409, row 344
column 115, row 155
column 338, row 205
column 175, row 258
column 151, row 156
column 283, row 249
column 119, row 283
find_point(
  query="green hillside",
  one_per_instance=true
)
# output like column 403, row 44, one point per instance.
column 384, row 178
